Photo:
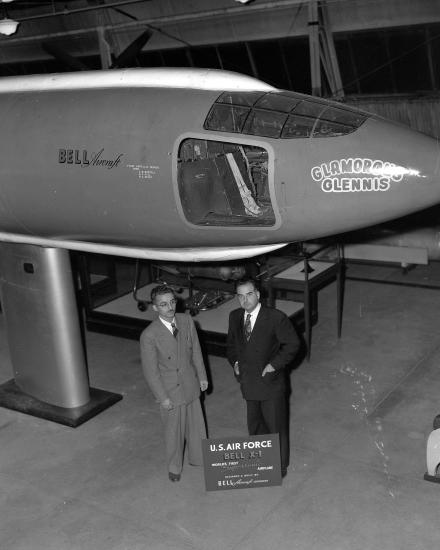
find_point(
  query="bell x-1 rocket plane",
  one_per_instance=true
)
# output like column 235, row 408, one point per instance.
column 196, row 165
column 177, row 165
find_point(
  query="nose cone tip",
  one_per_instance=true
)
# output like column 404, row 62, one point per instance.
column 383, row 172
column 410, row 168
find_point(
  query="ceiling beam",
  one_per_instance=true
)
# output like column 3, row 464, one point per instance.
column 61, row 55
column 241, row 10
column 78, row 10
column 165, row 20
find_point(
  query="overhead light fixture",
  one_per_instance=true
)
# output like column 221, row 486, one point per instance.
column 241, row 1
column 7, row 26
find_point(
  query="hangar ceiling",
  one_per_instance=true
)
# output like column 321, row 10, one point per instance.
column 266, row 38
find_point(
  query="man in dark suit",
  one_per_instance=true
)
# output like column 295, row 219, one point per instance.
column 261, row 343
column 173, row 367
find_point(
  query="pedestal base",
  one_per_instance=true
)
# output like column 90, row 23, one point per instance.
column 11, row 397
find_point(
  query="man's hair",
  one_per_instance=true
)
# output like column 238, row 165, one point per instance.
column 245, row 281
column 161, row 289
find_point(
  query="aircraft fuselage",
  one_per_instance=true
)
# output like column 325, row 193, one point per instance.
column 145, row 167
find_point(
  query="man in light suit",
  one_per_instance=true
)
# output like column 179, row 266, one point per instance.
column 261, row 343
column 173, row 367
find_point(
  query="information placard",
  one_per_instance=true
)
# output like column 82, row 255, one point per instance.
column 241, row 462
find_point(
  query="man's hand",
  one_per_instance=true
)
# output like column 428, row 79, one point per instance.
column 203, row 385
column 267, row 368
column 236, row 369
column 167, row 404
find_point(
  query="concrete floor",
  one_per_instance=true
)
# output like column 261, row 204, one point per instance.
column 361, row 412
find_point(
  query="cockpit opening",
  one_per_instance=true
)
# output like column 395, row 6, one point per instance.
column 224, row 184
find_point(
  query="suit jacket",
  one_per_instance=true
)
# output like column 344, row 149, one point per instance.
column 273, row 340
column 173, row 366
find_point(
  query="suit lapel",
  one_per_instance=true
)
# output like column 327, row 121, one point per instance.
column 180, row 336
column 165, row 335
column 242, row 339
column 258, row 325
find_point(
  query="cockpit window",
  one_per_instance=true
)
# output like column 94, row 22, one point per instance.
column 310, row 109
column 227, row 118
column 283, row 115
column 325, row 128
column 264, row 123
column 298, row 127
column 246, row 99
column 277, row 102
column 224, row 184
column 343, row 116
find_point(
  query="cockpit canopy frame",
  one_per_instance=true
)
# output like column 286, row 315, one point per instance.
column 281, row 115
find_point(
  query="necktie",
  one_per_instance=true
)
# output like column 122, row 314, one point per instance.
column 175, row 329
column 247, row 327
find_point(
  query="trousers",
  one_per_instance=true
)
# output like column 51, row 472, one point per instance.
column 270, row 417
column 183, row 423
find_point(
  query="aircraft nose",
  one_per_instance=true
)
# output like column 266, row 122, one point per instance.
column 380, row 172
column 409, row 167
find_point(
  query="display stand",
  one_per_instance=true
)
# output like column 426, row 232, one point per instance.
column 44, row 338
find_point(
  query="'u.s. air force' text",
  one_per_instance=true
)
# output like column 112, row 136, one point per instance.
column 235, row 451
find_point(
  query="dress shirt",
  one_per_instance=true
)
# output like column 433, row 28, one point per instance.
column 168, row 324
column 253, row 315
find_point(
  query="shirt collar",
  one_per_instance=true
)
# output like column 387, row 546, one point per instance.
column 253, row 313
column 168, row 323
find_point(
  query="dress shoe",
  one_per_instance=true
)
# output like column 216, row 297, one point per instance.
column 174, row 477
column 284, row 472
